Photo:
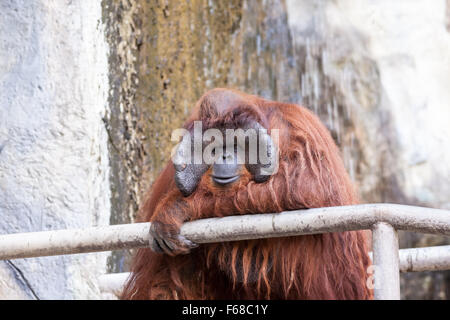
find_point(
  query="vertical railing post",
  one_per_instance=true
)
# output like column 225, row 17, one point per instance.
column 386, row 262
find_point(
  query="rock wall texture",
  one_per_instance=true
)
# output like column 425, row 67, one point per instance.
column 122, row 22
column 54, row 165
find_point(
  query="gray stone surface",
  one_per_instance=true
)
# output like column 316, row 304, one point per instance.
column 53, row 158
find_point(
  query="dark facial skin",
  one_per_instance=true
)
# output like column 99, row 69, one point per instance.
column 224, row 173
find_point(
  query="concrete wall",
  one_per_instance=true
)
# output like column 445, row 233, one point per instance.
column 54, row 168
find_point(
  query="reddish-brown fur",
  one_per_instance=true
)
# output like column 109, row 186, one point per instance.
column 311, row 174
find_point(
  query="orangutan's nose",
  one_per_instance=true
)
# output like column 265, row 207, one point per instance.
column 226, row 170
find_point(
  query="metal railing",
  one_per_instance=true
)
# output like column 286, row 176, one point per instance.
column 383, row 219
column 410, row 260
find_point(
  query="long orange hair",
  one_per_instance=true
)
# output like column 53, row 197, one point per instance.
column 311, row 174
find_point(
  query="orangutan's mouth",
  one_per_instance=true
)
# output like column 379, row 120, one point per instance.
column 224, row 180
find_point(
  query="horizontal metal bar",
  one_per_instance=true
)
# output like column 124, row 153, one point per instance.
column 113, row 282
column 52, row 243
column 425, row 259
column 232, row 228
column 411, row 260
